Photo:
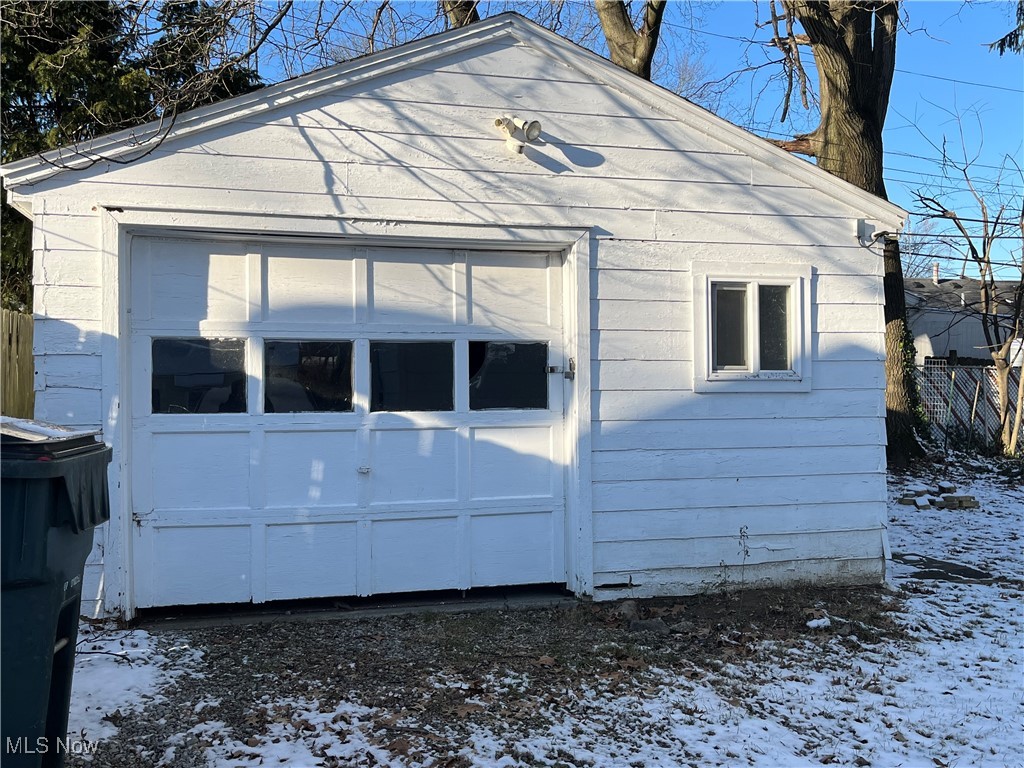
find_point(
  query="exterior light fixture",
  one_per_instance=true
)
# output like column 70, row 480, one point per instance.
column 509, row 124
column 530, row 128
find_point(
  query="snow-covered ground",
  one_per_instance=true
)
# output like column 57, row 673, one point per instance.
column 943, row 690
column 118, row 673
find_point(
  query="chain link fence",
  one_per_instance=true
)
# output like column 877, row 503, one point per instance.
column 961, row 403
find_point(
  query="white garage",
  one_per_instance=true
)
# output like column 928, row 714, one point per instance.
column 311, row 419
column 345, row 338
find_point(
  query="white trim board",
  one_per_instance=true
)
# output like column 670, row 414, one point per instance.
column 120, row 225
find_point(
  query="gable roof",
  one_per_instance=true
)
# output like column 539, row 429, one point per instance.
column 958, row 294
column 134, row 143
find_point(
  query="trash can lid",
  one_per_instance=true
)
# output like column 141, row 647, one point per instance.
column 29, row 438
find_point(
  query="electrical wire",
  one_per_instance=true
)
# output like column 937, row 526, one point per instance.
column 960, row 82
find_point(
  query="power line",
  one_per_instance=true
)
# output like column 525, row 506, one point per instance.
column 902, row 71
column 767, row 132
column 711, row 34
column 992, row 221
column 959, row 259
column 957, row 183
column 948, row 235
column 940, row 160
column 961, row 82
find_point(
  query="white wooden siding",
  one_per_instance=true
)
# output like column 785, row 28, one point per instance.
column 419, row 146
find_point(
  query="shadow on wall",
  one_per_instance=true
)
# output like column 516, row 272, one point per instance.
column 684, row 485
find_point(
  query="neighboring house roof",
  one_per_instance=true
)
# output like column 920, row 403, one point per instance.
column 136, row 142
column 957, row 294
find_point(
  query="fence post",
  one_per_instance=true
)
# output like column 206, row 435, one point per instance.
column 974, row 412
column 949, row 410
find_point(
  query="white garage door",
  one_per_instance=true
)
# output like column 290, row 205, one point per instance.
column 312, row 420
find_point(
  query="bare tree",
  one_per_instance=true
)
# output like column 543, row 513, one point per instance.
column 927, row 251
column 460, row 12
column 631, row 47
column 990, row 232
column 854, row 47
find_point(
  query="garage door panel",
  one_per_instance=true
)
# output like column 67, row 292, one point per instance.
column 189, row 281
column 511, row 462
column 512, row 289
column 308, row 285
column 519, row 544
column 207, row 473
column 310, row 469
column 218, row 565
column 412, row 293
column 420, row 552
column 311, row 560
column 413, row 465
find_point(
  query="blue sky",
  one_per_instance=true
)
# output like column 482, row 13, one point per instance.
column 944, row 69
column 947, row 82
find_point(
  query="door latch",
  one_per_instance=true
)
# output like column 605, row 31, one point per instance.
column 569, row 373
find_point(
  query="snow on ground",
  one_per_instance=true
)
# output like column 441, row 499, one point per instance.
column 945, row 691
column 116, row 674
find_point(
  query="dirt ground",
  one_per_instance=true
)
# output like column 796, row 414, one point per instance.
column 403, row 666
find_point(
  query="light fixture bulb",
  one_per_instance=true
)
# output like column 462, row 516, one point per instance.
column 530, row 128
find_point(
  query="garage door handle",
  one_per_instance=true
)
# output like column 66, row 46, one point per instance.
column 363, row 470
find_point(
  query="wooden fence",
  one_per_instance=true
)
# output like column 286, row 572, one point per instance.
column 962, row 404
column 16, row 365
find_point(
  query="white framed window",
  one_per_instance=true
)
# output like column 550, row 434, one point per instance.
column 752, row 327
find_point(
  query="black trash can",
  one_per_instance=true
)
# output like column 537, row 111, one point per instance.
column 53, row 494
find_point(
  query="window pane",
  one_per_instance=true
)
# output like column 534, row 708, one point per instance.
column 773, row 314
column 307, row 376
column 411, row 376
column 507, row 375
column 728, row 326
column 199, row 376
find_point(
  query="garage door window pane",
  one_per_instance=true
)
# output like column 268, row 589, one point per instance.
column 507, row 375
column 304, row 376
column 412, row 376
column 199, row 376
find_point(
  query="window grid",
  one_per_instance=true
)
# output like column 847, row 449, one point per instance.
column 254, row 372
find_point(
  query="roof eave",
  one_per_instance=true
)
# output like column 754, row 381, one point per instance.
column 120, row 146
column 133, row 143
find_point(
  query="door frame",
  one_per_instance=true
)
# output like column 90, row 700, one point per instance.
column 119, row 223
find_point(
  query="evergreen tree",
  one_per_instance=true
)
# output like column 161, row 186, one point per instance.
column 70, row 71
column 65, row 76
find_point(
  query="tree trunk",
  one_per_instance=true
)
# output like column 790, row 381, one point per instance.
column 1004, row 432
column 901, row 398
column 855, row 53
column 460, row 12
column 1011, row 449
column 632, row 49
